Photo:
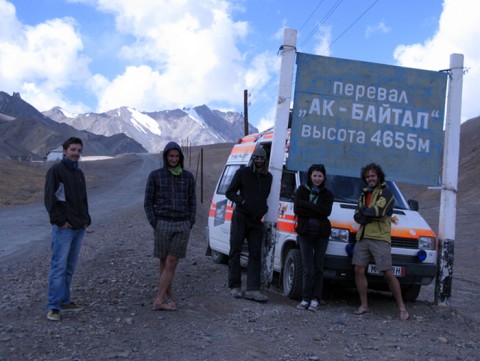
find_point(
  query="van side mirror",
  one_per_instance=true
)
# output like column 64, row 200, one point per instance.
column 413, row 204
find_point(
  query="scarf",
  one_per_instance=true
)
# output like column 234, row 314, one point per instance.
column 260, row 170
column 69, row 163
column 176, row 171
column 314, row 192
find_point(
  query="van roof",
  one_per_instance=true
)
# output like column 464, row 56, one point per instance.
column 243, row 150
column 265, row 136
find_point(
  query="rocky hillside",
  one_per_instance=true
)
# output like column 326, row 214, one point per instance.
column 25, row 133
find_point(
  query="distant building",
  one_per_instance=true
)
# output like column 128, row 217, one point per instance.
column 55, row 154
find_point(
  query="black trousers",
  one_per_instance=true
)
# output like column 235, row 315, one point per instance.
column 245, row 227
column 313, row 249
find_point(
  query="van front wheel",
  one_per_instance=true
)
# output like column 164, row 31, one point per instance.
column 293, row 274
column 218, row 257
column 410, row 293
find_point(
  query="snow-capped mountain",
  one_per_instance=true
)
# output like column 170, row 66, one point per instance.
column 194, row 126
column 25, row 133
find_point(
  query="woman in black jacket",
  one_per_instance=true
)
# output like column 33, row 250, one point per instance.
column 313, row 205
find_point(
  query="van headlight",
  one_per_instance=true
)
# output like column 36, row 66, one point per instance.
column 339, row 235
column 426, row 243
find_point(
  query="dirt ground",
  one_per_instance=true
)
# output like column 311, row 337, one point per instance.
column 117, row 278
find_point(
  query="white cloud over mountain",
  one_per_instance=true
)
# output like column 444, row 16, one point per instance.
column 458, row 32
column 179, row 53
column 170, row 53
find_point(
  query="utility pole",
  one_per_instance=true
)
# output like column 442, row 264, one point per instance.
column 277, row 152
column 448, row 197
column 245, row 111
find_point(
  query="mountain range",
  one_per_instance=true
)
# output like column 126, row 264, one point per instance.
column 26, row 133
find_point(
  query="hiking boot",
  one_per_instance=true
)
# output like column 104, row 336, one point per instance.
column 313, row 306
column 236, row 292
column 71, row 307
column 255, row 296
column 53, row 315
column 303, row 305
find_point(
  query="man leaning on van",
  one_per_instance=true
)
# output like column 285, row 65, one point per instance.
column 249, row 191
column 375, row 207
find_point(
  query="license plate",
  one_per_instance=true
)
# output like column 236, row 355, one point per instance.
column 397, row 270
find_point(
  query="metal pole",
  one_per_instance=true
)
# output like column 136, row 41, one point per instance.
column 448, row 198
column 189, row 152
column 201, row 175
column 245, row 111
column 277, row 153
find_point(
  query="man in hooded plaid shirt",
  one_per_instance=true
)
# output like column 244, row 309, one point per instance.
column 170, row 206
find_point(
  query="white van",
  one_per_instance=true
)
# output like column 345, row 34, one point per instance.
column 414, row 244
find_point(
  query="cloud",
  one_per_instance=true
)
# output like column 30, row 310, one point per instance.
column 9, row 26
column 173, row 53
column 323, row 38
column 379, row 28
column 165, row 54
column 266, row 122
column 132, row 88
column 183, row 53
column 40, row 60
column 458, row 32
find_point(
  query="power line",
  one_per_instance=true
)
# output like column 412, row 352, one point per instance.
column 351, row 25
column 332, row 9
column 311, row 14
column 322, row 21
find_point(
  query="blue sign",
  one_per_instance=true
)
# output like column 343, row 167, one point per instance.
column 347, row 114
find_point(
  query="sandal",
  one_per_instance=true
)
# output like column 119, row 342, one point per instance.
column 404, row 315
column 361, row 311
column 164, row 307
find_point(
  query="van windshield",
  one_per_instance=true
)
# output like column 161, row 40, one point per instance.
column 347, row 189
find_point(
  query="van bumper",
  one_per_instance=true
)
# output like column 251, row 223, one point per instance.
column 340, row 268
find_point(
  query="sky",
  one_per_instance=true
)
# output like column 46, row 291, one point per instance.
column 152, row 55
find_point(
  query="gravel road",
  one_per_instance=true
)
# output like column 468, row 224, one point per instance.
column 117, row 277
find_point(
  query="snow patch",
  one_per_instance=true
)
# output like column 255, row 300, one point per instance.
column 192, row 113
column 68, row 114
column 142, row 121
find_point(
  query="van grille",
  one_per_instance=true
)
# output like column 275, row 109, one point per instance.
column 405, row 243
column 410, row 243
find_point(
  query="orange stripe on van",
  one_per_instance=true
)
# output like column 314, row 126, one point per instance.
column 286, row 227
column 412, row 232
column 249, row 138
column 396, row 232
column 228, row 211
column 243, row 149
column 343, row 225
column 286, row 223
column 268, row 135
column 287, row 218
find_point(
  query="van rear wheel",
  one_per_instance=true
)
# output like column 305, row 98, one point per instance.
column 218, row 257
column 293, row 274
